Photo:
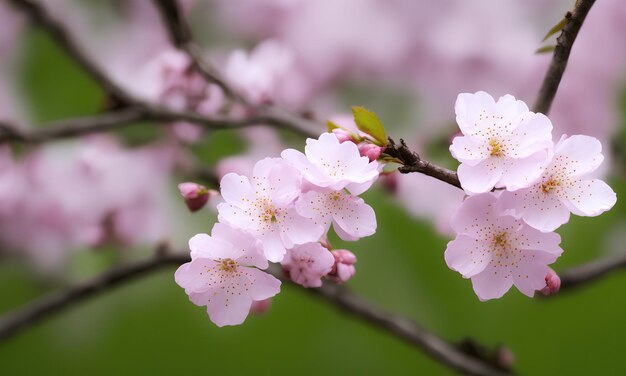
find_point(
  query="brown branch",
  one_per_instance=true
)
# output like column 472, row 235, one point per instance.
column 592, row 271
column 180, row 35
column 565, row 41
column 412, row 162
column 451, row 355
column 129, row 116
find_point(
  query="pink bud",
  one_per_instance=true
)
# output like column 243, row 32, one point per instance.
column 260, row 307
column 195, row 195
column 370, row 150
column 389, row 181
column 342, row 135
column 344, row 268
column 553, row 283
column 505, row 358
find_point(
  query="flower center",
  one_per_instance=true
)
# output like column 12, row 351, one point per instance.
column 501, row 240
column 335, row 196
column 227, row 265
column 550, row 185
column 495, row 148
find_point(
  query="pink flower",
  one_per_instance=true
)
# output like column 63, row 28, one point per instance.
column 553, row 283
column 308, row 263
column 264, row 207
column 327, row 163
column 260, row 307
column 344, row 268
column 351, row 217
column 565, row 186
column 497, row 251
column 195, row 195
column 503, row 144
column 371, row 151
column 224, row 274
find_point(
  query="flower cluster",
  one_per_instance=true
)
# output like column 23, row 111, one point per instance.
column 522, row 187
column 281, row 213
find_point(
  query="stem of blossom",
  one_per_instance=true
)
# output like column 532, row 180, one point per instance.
column 565, row 41
column 448, row 354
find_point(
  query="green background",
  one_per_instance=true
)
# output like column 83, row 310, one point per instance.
column 149, row 327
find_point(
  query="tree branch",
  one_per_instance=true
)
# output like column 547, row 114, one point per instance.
column 451, row 355
column 565, row 41
column 592, row 271
column 129, row 116
column 181, row 36
column 412, row 162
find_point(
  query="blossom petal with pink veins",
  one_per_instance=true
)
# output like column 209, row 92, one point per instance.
column 236, row 189
column 481, row 177
column 530, row 277
column 468, row 151
column 545, row 212
column 521, row 173
column 297, row 229
column 262, row 285
column 589, row 197
column 242, row 247
column 534, row 132
column 355, row 218
column 491, row 283
column 474, row 214
column 273, row 246
column 197, row 275
column 235, row 216
column 231, row 305
column 578, row 155
column 468, row 256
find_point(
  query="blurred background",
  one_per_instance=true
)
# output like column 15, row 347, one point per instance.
column 71, row 209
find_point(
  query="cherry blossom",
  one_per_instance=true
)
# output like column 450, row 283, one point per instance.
column 564, row 187
column 265, row 208
column 308, row 263
column 344, row 268
column 224, row 274
column 503, row 143
column 196, row 196
column 553, row 283
column 351, row 217
column 327, row 163
column 497, row 251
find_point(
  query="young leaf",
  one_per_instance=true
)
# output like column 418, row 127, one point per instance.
column 330, row 126
column 545, row 49
column 555, row 29
column 368, row 122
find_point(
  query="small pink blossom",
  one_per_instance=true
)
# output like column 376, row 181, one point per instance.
column 503, row 143
column 343, row 269
column 306, row 264
column 264, row 207
column 196, row 196
column 553, row 283
column 260, row 307
column 371, row 151
column 351, row 217
column 342, row 135
column 497, row 251
column 224, row 274
column 564, row 187
column 327, row 163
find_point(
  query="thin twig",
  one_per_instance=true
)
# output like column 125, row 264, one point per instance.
column 129, row 116
column 592, row 271
column 565, row 41
column 180, row 34
column 451, row 355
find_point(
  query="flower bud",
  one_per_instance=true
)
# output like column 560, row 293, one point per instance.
column 343, row 269
column 389, row 181
column 370, row 151
column 195, row 195
column 553, row 283
column 260, row 307
column 342, row 135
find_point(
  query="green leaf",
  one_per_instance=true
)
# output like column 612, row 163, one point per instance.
column 555, row 29
column 330, row 126
column 545, row 49
column 368, row 122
